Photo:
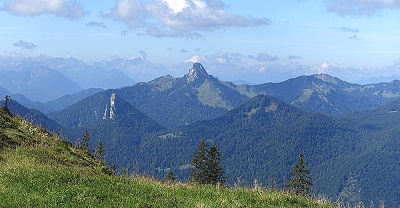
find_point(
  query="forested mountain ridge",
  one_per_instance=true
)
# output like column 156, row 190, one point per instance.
column 32, row 115
column 383, row 117
column 90, row 110
column 326, row 94
column 67, row 100
column 109, row 118
column 261, row 139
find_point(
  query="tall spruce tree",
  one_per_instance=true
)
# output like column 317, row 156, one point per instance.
column 206, row 165
column 6, row 104
column 198, row 174
column 85, row 141
column 99, row 152
column 299, row 180
column 215, row 173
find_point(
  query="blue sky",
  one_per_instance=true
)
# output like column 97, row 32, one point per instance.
column 259, row 41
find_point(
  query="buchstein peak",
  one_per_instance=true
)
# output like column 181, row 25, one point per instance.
column 197, row 72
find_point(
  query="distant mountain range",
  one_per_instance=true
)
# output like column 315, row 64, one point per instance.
column 197, row 96
column 45, row 78
column 326, row 94
column 38, row 83
column 348, row 132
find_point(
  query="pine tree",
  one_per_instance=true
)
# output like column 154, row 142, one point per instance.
column 170, row 176
column 215, row 173
column 99, row 152
column 85, row 141
column 198, row 172
column 299, row 181
column 206, row 165
column 6, row 104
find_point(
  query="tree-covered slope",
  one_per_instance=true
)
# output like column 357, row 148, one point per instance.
column 261, row 139
column 32, row 115
column 38, row 169
column 261, row 132
column 107, row 117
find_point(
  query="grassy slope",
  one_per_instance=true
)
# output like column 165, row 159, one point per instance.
column 38, row 169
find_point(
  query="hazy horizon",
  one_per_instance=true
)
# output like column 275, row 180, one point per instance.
column 268, row 41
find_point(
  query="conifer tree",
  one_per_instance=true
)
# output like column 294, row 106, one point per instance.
column 215, row 173
column 206, row 165
column 6, row 104
column 85, row 141
column 198, row 172
column 299, row 181
column 99, row 152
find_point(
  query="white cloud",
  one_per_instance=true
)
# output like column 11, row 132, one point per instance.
column 193, row 59
column 291, row 57
column 64, row 8
column 262, row 69
column 326, row 68
column 155, row 31
column 266, row 57
column 182, row 50
column 219, row 58
column 348, row 29
column 200, row 16
column 96, row 24
column 360, row 7
column 132, row 12
column 168, row 18
column 176, row 5
column 25, row 45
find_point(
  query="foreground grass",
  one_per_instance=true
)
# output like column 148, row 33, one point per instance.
column 44, row 187
column 37, row 169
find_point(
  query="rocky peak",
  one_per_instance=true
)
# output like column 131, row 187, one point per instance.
column 196, row 72
column 109, row 112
